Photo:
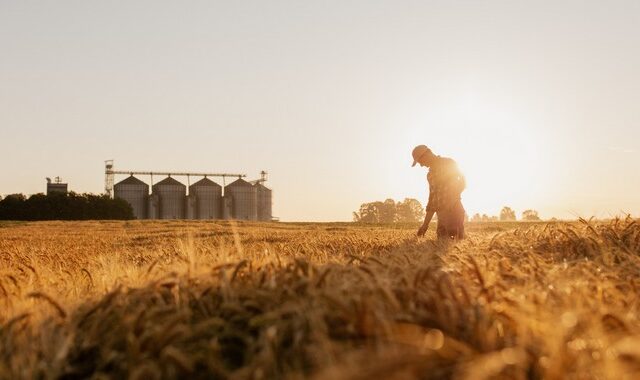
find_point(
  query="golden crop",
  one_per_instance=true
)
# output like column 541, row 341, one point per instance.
column 151, row 299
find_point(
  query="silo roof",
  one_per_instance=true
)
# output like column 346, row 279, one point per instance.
column 260, row 186
column 131, row 180
column 169, row 181
column 205, row 182
column 239, row 182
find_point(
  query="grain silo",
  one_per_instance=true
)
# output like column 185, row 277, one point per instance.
column 264, row 202
column 208, row 196
column 172, row 196
column 191, row 209
column 227, row 209
column 244, row 200
column 154, row 207
column 135, row 192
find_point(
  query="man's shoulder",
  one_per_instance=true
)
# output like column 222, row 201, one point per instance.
column 444, row 162
column 444, row 166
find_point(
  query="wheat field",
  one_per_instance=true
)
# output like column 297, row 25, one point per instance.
column 226, row 300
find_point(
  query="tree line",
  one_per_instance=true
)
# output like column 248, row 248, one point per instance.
column 389, row 211
column 507, row 214
column 64, row 206
column 410, row 210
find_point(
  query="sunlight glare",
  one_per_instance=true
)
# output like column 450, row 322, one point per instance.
column 499, row 154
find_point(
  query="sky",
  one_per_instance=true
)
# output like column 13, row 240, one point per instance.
column 537, row 101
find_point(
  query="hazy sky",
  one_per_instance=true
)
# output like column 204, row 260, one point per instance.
column 539, row 101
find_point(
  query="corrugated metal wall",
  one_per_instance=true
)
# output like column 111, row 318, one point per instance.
column 227, row 207
column 154, row 207
column 244, row 200
column 136, row 193
column 265, row 202
column 191, row 207
column 208, row 196
column 172, row 198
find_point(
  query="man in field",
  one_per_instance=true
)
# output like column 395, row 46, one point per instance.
column 446, row 183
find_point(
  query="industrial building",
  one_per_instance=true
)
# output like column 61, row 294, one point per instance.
column 56, row 186
column 264, row 202
column 244, row 200
column 136, row 193
column 205, row 200
column 172, row 196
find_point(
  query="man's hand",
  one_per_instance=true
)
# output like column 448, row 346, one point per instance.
column 425, row 225
column 422, row 230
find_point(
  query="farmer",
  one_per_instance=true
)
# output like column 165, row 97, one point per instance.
column 446, row 183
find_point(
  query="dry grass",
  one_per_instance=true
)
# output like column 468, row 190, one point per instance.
column 146, row 300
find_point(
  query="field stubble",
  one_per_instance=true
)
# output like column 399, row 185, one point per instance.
column 146, row 300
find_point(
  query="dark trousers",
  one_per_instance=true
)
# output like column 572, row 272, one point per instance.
column 451, row 223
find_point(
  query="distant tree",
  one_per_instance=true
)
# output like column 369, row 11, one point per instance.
column 507, row 214
column 409, row 211
column 12, row 207
column 368, row 213
column 483, row 218
column 16, row 197
column 530, row 215
column 389, row 211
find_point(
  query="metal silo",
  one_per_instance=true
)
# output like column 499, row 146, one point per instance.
column 244, row 200
column 191, row 207
column 172, row 198
column 227, row 208
column 264, row 202
column 135, row 192
column 154, row 207
column 208, row 196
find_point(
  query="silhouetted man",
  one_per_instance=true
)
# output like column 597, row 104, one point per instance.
column 446, row 183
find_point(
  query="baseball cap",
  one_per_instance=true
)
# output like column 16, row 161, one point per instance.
column 418, row 152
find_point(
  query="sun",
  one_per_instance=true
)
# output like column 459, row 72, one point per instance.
column 502, row 168
column 499, row 152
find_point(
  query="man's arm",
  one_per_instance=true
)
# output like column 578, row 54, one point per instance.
column 425, row 225
column 432, row 206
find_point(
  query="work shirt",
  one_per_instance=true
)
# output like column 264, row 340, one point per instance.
column 446, row 183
